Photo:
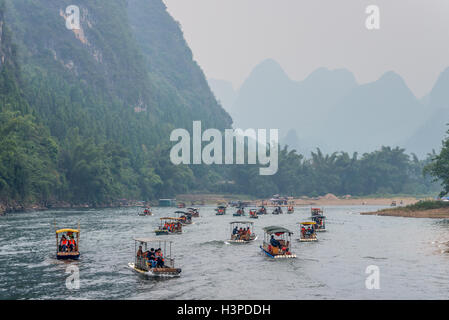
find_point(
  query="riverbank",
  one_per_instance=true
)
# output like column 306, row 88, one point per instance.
column 327, row 200
column 214, row 199
column 422, row 209
column 21, row 207
column 331, row 201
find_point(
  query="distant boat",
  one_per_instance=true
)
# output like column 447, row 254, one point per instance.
column 253, row 214
column 220, row 210
column 146, row 212
column 181, row 205
column 185, row 217
column 194, row 212
column 240, row 212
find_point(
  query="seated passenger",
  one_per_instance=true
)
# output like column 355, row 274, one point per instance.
column 151, row 254
column 159, row 258
column 63, row 244
column 72, row 244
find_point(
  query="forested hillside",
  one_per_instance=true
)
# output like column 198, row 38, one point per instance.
column 86, row 115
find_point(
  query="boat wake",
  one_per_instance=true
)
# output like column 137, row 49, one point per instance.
column 213, row 242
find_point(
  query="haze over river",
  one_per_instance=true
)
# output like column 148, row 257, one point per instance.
column 410, row 253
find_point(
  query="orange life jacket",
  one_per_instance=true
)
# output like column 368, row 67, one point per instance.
column 64, row 242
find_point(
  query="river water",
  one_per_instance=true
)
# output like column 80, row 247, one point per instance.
column 412, row 256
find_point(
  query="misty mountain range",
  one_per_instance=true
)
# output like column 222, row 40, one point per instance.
column 330, row 110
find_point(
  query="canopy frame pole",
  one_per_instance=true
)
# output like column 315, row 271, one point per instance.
column 57, row 238
column 78, row 237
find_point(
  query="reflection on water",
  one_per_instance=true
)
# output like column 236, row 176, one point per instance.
column 412, row 255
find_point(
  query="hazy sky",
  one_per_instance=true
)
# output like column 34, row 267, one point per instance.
column 229, row 37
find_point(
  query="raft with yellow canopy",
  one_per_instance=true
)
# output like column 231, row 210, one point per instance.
column 67, row 243
column 307, row 232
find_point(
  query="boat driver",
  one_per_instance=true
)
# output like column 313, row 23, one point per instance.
column 139, row 252
column 235, row 232
column 274, row 242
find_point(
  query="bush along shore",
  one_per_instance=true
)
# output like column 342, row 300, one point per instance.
column 422, row 209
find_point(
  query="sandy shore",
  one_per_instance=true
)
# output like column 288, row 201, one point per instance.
column 431, row 213
column 354, row 201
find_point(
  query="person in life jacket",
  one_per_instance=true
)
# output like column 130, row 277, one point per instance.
column 159, row 258
column 246, row 234
column 72, row 244
column 63, row 244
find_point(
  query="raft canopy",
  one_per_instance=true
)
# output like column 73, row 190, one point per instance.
column 171, row 218
column 146, row 240
column 307, row 223
column 241, row 222
column 67, row 230
column 276, row 229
